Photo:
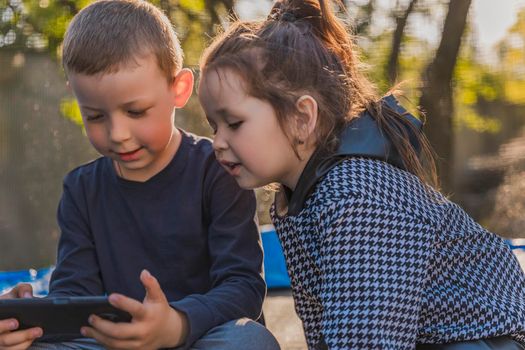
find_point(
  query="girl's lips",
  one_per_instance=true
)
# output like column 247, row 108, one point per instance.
column 232, row 168
column 129, row 156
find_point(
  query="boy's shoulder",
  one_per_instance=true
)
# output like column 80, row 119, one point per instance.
column 197, row 153
column 200, row 145
column 86, row 170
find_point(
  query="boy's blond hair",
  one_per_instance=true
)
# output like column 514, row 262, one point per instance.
column 110, row 33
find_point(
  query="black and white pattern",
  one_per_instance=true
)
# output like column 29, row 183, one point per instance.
column 379, row 261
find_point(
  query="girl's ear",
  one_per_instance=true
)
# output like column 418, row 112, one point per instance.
column 183, row 87
column 306, row 120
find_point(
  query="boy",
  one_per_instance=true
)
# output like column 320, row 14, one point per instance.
column 156, row 204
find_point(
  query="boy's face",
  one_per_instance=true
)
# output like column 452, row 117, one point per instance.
column 129, row 116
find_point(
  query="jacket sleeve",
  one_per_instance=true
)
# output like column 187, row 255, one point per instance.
column 77, row 271
column 374, row 258
column 236, row 259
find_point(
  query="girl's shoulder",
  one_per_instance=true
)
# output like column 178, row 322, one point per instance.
column 366, row 176
column 368, row 180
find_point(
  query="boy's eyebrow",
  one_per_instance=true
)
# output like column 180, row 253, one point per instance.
column 126, row 104
column 129, row 103
column 91, row 108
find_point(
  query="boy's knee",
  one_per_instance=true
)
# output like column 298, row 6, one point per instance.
column 238, row 334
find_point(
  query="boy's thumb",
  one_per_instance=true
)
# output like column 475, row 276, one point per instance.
column 152, row 286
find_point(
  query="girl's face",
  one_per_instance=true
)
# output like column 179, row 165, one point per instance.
column 249, row 142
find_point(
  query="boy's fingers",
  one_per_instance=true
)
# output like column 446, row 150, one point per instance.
column 20, row 337
column 114, row 330
column 134, row 307
column 108, row 341
column 20, row 346
column 24, row 290
column 7, row 325
column 153, row 291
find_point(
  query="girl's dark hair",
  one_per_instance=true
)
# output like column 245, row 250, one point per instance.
column 303, row 48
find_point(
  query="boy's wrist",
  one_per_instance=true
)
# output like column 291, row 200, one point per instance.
column 177, row 328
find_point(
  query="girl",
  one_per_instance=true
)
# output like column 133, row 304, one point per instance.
column 377, row 257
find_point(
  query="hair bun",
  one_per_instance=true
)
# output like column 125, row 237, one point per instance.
column 278, row 15
column 288, row 17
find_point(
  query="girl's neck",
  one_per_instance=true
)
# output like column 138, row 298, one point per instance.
column 294, row 175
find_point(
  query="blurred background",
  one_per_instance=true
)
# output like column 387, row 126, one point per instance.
column 462, row 61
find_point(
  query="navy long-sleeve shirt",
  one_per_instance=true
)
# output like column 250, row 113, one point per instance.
column 190, row 225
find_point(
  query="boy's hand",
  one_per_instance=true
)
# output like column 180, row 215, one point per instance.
column 10, row 338
column 22, row 290
column 155, row 324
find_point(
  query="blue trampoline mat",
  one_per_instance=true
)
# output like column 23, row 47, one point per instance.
column 39, row 279
column 274, row 266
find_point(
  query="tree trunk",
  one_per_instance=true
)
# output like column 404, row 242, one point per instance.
column 393, row 60
column 436, row 99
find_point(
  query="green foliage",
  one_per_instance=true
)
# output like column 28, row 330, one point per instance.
column 39, row 25
column 375, row 54
column 475, row 82
column 193, row 5
column 70, row 110
column 511, row 55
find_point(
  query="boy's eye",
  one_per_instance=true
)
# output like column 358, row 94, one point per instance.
column 93, row 118
column 234, row 126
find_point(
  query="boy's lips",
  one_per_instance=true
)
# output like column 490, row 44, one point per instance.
column 129, row 156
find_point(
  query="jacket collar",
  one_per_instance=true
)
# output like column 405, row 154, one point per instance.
column 362, row 137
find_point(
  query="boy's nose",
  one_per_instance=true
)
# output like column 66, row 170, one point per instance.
column 119, row 130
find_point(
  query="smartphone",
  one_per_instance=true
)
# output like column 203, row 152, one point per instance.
column 60, row 316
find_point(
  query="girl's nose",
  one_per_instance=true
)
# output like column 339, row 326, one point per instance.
column 219, row 142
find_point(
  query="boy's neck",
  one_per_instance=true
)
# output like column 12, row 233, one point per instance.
column 155, row 168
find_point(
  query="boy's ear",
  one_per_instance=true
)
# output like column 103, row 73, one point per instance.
column 306, row 120
column 183, row 87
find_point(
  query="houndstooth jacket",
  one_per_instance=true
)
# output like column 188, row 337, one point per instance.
column 379, row 261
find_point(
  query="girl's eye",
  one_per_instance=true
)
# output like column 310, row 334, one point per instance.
column 94, row 118
column 234, row 126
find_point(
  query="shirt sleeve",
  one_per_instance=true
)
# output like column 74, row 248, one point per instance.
column 77, row 271
column 236, row 259
column 374, row 258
